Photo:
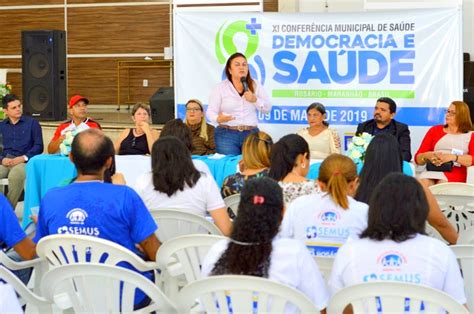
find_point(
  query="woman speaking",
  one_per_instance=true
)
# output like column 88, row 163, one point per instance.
column 233, row 106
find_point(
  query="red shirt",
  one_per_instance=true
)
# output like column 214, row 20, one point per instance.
column 434, row 134
column 91, row 123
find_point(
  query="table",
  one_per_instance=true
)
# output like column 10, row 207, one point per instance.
column 44, row 172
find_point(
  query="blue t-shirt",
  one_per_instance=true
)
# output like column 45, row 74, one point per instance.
column 112, row 212
column 10, row 230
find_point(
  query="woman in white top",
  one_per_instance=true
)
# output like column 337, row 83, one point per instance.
column 325, row 221
column 394, row 246
column 254, row 248
column 322, row 140
column 174, row 182
column 289, row 165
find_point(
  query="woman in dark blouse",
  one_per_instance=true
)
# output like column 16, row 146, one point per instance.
column 139, row 140
column 203, row 133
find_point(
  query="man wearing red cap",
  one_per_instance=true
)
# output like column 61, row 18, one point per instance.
column 79, row 120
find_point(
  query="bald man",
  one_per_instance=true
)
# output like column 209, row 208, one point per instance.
column 91, row 207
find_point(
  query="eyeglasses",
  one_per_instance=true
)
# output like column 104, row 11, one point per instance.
column 450, row 113
column 193, row 109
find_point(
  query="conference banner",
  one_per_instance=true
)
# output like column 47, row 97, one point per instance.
column 345, row 61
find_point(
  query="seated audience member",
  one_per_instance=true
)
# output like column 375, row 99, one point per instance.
column 108, row 211
column 383, row 157
column 202, row 132
column 12, row 236
column 22, row 139
column 79, row 121
column 255, row 162
column 139, row 140
column 174, row 182
column 325, row 221
column 384, row 122
column 177, row 128
column 451, row 144
column 254, row 249
column 394, row 246
column 322, row 140
column 289, row 165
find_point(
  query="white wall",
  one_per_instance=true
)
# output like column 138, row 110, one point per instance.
column 361, row 5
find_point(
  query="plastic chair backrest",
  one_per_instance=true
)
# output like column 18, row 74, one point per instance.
column 466, row 236
column 390, row 296
column 35, row 303
column 456, row 200
column 465, row 254
column 39, row 266
column 63, row 249
column 185, row 254
column 173, row 223
column 98, row 288
column 232, row 202
column 240, row 294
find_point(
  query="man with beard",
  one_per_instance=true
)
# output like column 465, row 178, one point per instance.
column 383, row 121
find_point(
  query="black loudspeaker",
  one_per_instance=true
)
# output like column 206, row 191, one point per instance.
column 162, row 105
column 44, row 74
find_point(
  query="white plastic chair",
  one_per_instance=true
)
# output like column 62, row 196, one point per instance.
column 238, row 294
column 465, row 255
column 63, row 249
column 232, row 202
column 34, row 303
column 173, row 223
column 180, row 260
column 98, row 288
column 325, row 265
column 39, row 265
column 391, row 297
column 456, row 200
column 466, row 236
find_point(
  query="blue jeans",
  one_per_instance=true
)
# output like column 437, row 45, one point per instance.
column 229, row 142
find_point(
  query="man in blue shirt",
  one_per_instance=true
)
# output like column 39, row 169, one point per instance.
column 88, row 206
column 22, row 139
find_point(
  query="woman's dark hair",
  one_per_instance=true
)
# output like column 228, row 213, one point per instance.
column 258, row 222
column 229, row 77
column 108, row 174
column 383, row 156
column 398, row 209
column 177, row 128
column 283, row 155
column 320, row 108
column 172, row 166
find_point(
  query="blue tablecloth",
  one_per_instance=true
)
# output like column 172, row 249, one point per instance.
column 314, row 170
column 44, row 172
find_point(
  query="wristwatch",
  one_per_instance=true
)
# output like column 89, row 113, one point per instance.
column 25, row 157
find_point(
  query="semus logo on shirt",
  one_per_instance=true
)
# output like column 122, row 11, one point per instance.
column 329, row 217
column 77, row 216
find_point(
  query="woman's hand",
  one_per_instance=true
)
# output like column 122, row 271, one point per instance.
column 250, row 97
column 144, row 126
column 444, row 157
column 221, row 118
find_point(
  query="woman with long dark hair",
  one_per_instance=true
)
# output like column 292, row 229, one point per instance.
column 325, row 221
column 383, row 156
column 233, row 106
column 394, row 247
column 253, row 248
column 289, row 165
column 174, row 182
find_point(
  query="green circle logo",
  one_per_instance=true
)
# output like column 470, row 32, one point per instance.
column 225, row 40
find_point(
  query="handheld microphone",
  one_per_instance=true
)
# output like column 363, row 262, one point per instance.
column 243, row 79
